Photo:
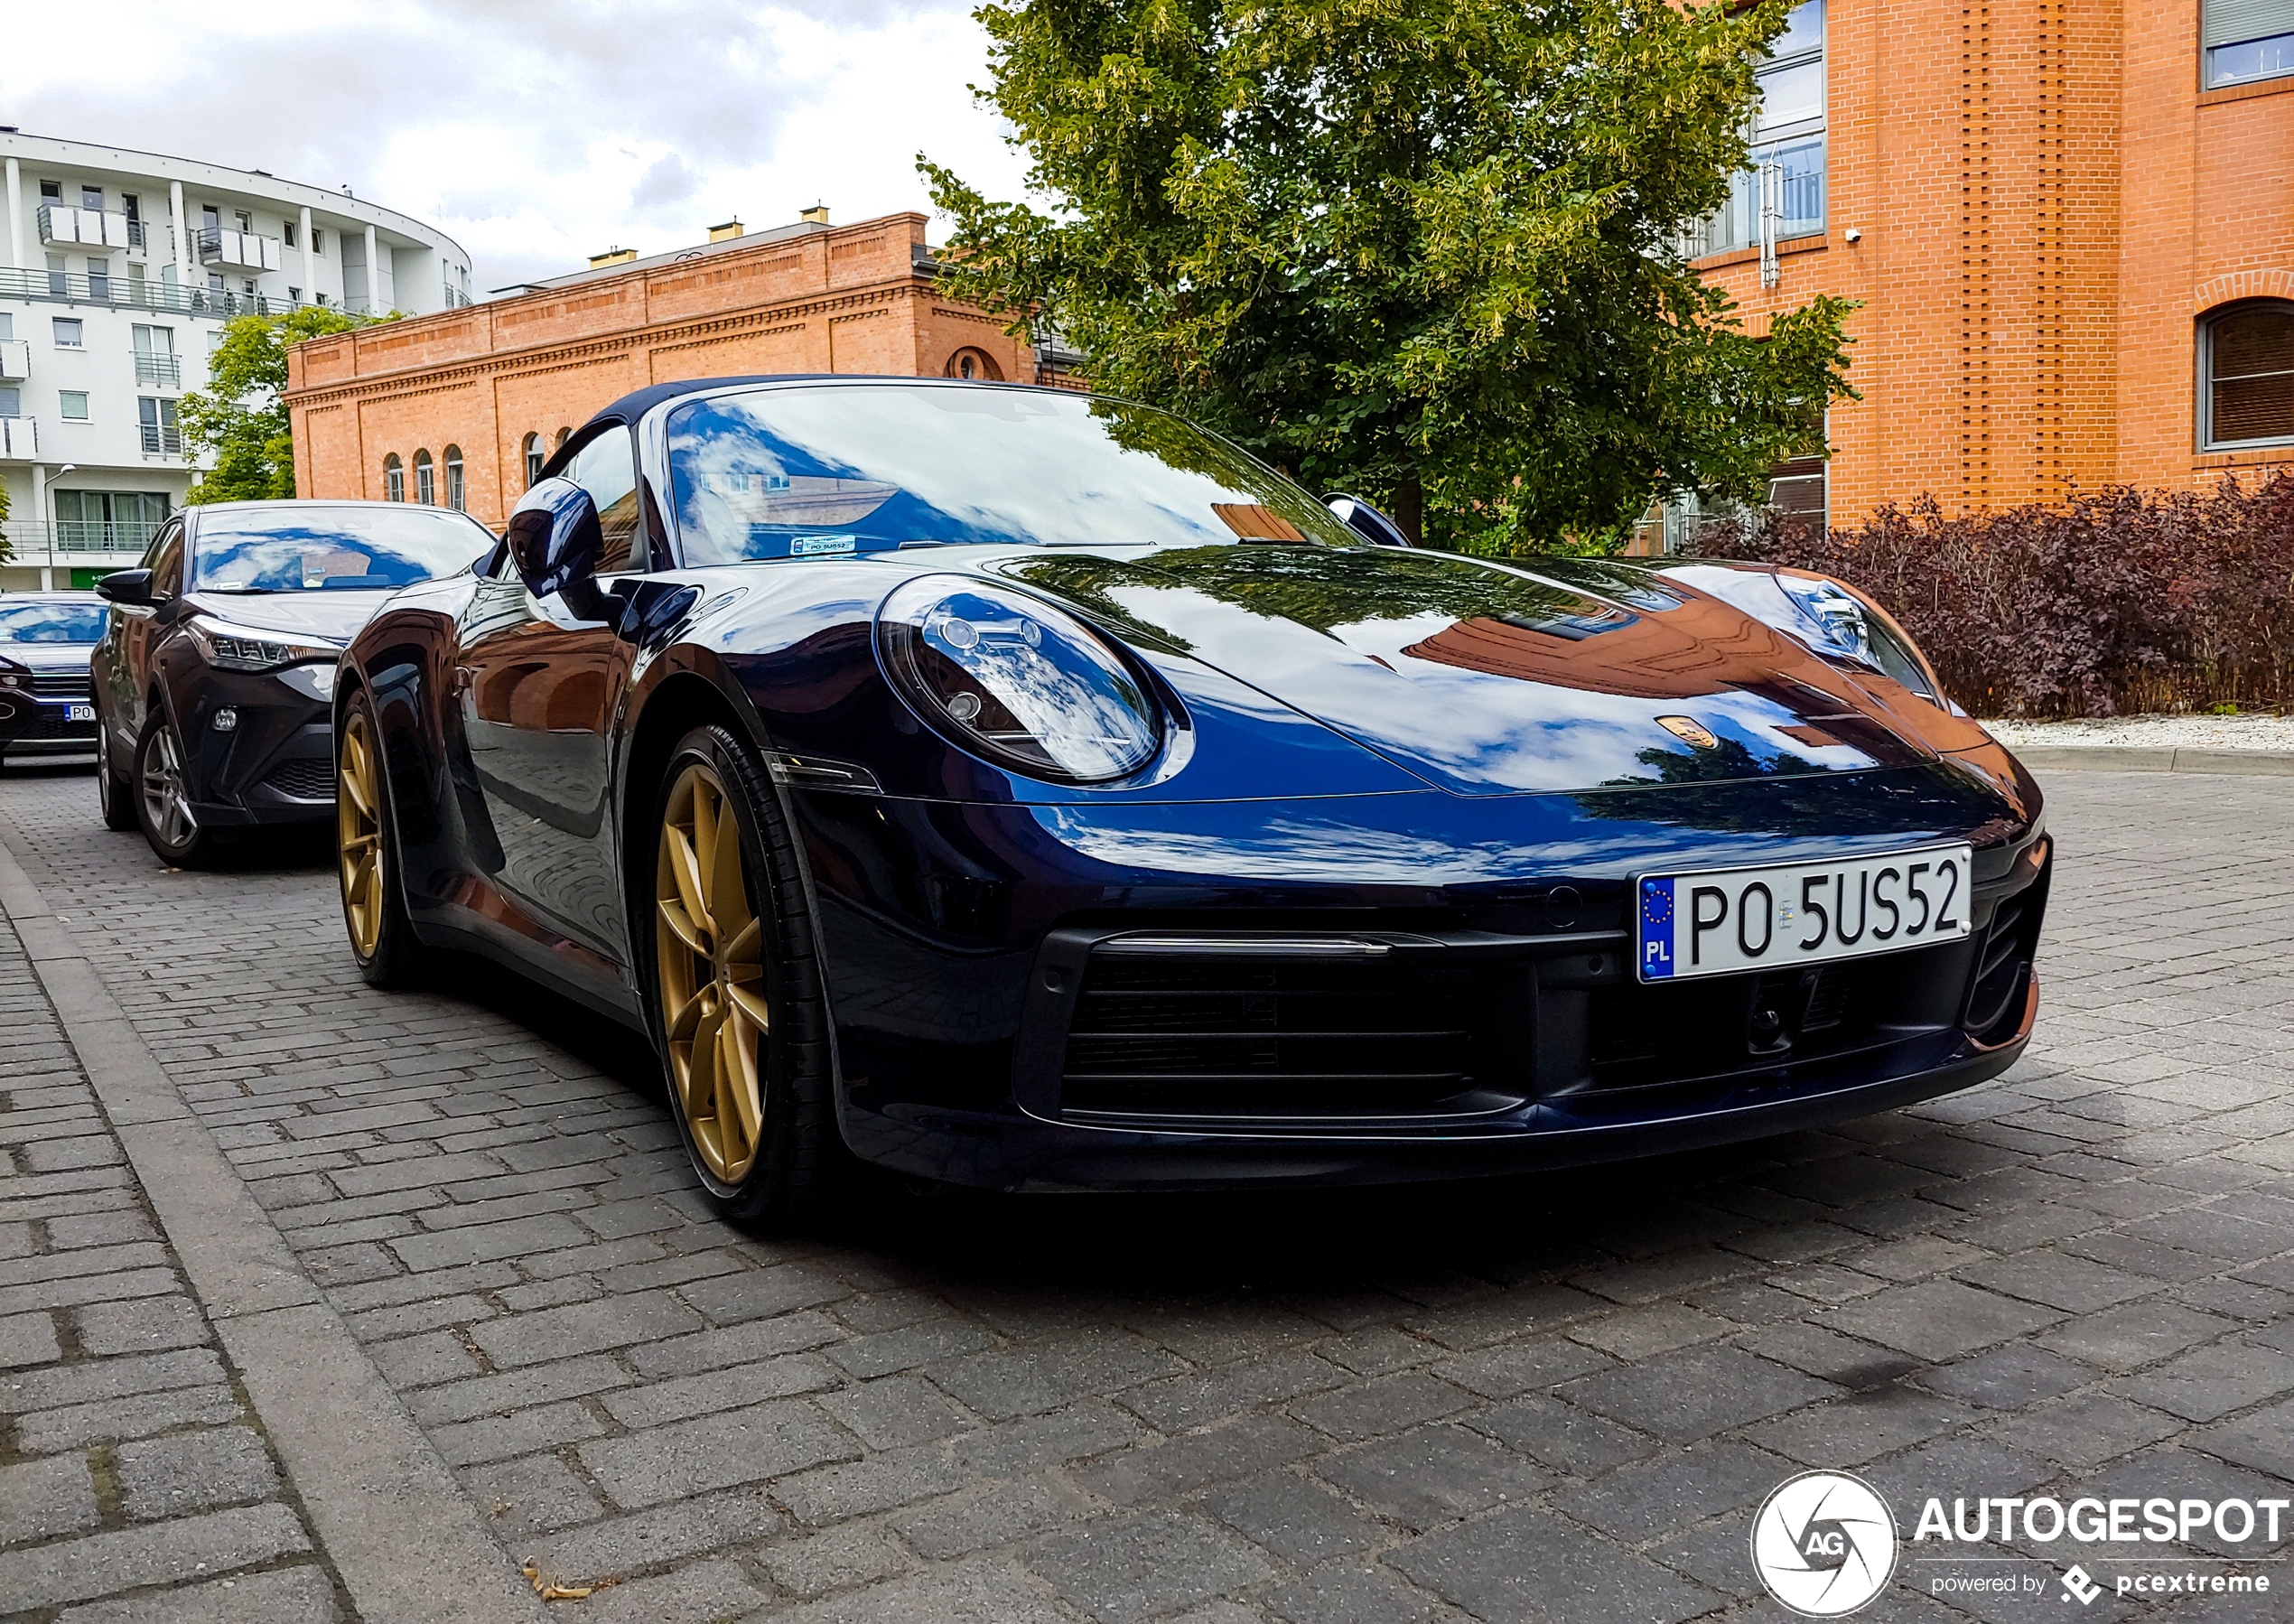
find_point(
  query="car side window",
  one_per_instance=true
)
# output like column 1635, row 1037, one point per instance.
column 607, row 469
column 165, row 563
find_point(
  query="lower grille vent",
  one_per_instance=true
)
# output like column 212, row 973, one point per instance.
column 1996, row 994
column 1262, row 1038
column 308, row 780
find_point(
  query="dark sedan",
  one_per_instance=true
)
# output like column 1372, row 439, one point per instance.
column 1031, row 790
column 46, row 640
column 214, row 681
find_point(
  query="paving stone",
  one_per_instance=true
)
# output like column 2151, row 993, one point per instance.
column 1505, row 1372
column 76, row 1426
column 698, row 1593
column 643, row 1539
column 2263, row 1441
column 2135, row 1334
column 2207, row 1383
column 1940, row 1319
column 1692, row 1395
column 1563, row 1436
column 765, row 1440
column 684, row 1395
column 2009, row 1379
column 894, row 1412
column 832, row 1561
column 39, row 1499
column 1091, row 1427
column 168, row 1553
column 1637, row 1502
column 1577, row 1576
column 877, row 1482
column 1434, row 1474
column 982, row 1518
column 1124, row 1571
column 484, row 1242
column 1297, row 1519
column 742, row 1344
column 28, row 1340
column 585, row 1327
column 1645, row 1332
column 967, row 1593
column 2084, row 1430
column 1160, row 1470
column 295, row 1595
column 502, row 1394
column 192, row 1471
column 536, row 1495
column 1182, row 1402
column 1351, row 1595
column 760, row 1294
column 96, row 1381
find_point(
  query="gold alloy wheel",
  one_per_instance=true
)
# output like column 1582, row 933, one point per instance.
column 357, row 821
column 710, row 958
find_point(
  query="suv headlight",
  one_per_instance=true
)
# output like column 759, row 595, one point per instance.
column 230, row 648
column 1017, row 681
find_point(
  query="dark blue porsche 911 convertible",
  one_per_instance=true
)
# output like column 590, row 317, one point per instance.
column 1025, row 790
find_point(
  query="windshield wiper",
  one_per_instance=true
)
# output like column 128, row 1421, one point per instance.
column 241, row 592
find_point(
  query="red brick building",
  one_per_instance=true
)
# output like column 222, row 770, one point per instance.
column 2071, row 226
column 460, row 408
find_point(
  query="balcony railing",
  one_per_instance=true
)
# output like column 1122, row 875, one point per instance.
column 19, row 439
column 162, row 439
column 237, row 250
column 166, row 372
column 15, row 360
column 62, row 225
column 126, row 293
column 70, row 541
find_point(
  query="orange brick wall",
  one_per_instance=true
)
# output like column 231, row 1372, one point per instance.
column 483, row 378
column 2047, row 203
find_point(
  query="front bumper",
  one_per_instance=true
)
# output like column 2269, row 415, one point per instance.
column 1168, row 1055
column 274, row 765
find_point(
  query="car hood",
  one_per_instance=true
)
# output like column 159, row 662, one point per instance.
column 333, row 616
column 1499, row 678
column 48, row 656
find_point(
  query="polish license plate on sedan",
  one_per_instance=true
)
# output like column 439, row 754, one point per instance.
column 79, row 713
column 1725, row 921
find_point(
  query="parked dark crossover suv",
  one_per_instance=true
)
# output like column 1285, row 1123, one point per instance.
column 214, row 685
column 45, row 640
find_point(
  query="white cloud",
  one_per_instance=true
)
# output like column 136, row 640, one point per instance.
column 538, row 132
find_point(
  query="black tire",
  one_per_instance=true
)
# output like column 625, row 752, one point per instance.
column 800, row 1152
column 161, row 798
column 115, row 796
column 391, row 961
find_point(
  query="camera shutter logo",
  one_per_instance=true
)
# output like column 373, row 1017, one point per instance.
column 1825, row 1544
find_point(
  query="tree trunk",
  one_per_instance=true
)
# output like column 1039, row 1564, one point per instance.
column 1409, row 507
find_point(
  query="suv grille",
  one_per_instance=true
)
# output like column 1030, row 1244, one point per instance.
column 305, row 779
column 61, row 684
column 1259, row 1037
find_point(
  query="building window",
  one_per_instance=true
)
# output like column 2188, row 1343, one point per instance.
column 974, row 364
column 1782, row 195
column 68, row 332
column 286, row 233
column 11, row 403
column 454, row 478
column 425, row 483
column 318, row 242
column 2247, row 356
column 71, row 405
column 100, row 278
column 92, row 197
column 2247, row 40
column 535, row 457
column 59, row 279
column 109, row 521
column 394, row 479
column 52, row 192
column 156, row 418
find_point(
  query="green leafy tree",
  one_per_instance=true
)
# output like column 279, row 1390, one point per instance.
column 241, row 419
column 1426, row 251
column 7, row 548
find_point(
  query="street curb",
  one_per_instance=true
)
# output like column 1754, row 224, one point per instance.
column 2128, row 758
column 406, row 1541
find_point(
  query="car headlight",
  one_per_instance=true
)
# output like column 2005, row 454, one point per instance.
column 1017, row 681
column 1845, row 621
column 236, row 649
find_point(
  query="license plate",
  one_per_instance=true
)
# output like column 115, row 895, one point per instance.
column 1725, row 921
column 79, row 713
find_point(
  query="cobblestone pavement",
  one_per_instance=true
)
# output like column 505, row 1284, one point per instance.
column 132, row 1469
column 1558, row 1399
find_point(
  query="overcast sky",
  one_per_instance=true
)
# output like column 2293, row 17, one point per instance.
column 534, row 131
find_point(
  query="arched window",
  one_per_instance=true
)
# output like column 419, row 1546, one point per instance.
column 2247, row 357
column 975, row 364
column 535, row 457
column 426, row 481
column 394, row 479
column 563, row 435
column 454, row 478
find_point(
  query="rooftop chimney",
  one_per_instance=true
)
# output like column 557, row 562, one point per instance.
column 818, row 215
column 611, row 256
column 726, row 232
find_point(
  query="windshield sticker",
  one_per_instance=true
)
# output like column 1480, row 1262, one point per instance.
column 806, row 546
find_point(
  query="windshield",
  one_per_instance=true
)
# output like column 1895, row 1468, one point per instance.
column 844, row 469
column 52, row 623
column 333, row 549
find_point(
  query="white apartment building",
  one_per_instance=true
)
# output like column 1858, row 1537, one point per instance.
column 121, row 269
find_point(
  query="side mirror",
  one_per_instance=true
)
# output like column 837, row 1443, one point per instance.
column 1365, row 520
column 556, row 540
column 131, row 587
